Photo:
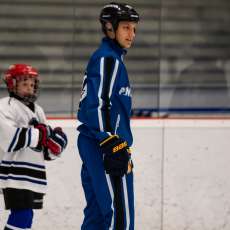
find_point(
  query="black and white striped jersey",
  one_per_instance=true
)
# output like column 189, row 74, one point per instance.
column 20, row 166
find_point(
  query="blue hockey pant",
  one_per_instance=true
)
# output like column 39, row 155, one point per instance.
column 109, row 200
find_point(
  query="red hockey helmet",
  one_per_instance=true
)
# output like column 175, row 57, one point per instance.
column 19, row 72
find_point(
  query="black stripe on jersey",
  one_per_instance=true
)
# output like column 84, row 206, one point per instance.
column 36, row 174
column 21, row 139
column 13, row 141
column 109, row 64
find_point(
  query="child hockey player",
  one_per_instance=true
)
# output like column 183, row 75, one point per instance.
column 26, row 142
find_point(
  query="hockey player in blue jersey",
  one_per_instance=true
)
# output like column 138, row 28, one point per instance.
column 26, row 142
column 105, row 136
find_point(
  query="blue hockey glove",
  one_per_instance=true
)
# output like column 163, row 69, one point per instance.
column 117, row 156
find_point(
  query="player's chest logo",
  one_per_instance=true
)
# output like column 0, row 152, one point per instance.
column 125, row 91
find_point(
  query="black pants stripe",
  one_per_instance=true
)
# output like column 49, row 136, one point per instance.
column 118, row 203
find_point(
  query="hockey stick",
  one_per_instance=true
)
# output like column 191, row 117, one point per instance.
column 118, row 203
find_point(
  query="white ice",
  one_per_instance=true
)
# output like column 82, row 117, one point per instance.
column 64, row 202
column 181, row 178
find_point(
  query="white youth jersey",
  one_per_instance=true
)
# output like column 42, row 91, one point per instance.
column 20, row 166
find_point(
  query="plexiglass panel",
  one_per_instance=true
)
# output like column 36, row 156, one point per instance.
column 178, row 65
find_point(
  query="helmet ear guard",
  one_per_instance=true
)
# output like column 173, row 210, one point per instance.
column 109, row 26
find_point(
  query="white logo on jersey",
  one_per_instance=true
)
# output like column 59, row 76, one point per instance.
column 126, row 91
column 84, row 88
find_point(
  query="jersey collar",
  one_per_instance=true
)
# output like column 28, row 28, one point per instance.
column 115, row 46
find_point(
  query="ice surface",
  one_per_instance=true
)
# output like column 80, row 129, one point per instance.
column 181, row 178
column 64, row 202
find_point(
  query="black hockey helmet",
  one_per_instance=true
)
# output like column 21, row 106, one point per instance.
column 116, row 12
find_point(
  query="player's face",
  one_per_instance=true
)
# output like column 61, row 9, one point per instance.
column 125, row 33
column 25, row 86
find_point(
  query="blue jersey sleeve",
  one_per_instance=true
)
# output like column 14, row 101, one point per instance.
column 97, row 91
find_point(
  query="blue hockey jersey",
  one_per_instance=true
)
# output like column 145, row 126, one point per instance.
column 105, row 104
